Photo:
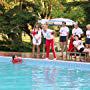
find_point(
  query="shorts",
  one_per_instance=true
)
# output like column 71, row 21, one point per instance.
column 63, row 38
column 81, row 50
column 87, row 40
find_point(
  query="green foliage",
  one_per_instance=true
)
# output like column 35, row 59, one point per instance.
column 6, row 46
column 15, row 14
column 25, row 47
column 77, row 14
column 82, row 10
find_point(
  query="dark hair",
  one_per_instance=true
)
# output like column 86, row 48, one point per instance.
column 13, row 56
column 46, row 23
column 64, row 22
column 78, row 37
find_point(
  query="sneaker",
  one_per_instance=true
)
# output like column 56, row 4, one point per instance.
column 46, row 59
column 54, row 59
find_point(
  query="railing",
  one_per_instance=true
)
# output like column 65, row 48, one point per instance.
column 82, row 56
column 73, row 55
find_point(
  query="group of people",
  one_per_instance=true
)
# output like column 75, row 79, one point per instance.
column 46, row 36
column 76, row 40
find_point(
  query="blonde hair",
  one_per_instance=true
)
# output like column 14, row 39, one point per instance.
column 88, row 26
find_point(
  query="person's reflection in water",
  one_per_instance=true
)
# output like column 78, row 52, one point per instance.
column 50, row 75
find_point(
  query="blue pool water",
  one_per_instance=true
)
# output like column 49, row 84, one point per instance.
column 43, row 75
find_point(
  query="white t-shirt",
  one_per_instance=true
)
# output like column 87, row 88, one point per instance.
column 88, row 33
column 64, row 31
column 37, row 38
column 49, row 34
column 78, row 44
column 44, row 33
column 77, row 31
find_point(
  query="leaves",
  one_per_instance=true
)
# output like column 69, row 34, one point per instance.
column 15, row 14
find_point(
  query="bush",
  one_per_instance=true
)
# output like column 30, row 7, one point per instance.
column 7, row 46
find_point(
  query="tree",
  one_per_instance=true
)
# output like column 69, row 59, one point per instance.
column 15, row 18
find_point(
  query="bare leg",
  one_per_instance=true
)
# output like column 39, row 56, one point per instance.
column 62, row 46
column 38, row 51
column 87, row 46
column 87, row 50
column 43, row 51
column 33, row 51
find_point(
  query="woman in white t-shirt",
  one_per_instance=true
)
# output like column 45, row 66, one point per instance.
column 36, row 34
column 78, row 44
column 77, row 31
column 49, row 35
column 88, row 36
column 64, row 32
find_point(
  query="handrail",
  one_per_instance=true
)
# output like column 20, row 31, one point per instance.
column 86, row 55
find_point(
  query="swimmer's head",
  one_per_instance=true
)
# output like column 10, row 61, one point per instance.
column 14, row 56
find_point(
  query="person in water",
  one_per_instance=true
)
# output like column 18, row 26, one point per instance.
column 16, row 59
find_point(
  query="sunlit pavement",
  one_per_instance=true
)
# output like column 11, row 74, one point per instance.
column 29, row 55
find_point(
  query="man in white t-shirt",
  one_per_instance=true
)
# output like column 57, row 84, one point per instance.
column 64, row 32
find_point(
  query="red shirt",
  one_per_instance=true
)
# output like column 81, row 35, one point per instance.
column 17, row 60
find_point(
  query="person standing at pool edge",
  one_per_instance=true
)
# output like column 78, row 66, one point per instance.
column 64, row 32
column 36, row 34
column 49, row 42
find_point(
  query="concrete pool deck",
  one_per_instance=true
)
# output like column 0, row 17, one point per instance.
column 29, row 55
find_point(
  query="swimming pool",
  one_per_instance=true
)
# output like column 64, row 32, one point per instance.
column 44, row 75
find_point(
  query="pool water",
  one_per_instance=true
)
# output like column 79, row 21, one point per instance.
column 28, row 76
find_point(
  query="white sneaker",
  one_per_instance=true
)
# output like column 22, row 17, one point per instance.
column 54, row 59
column 46, row 59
